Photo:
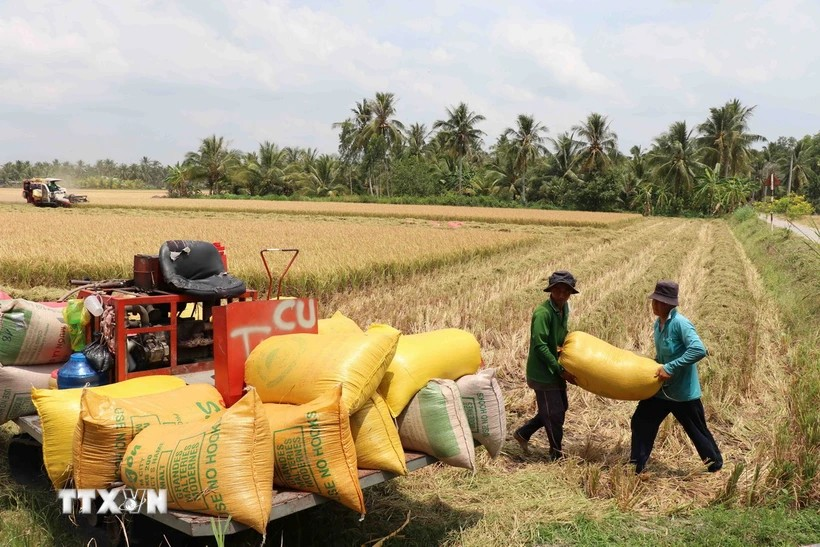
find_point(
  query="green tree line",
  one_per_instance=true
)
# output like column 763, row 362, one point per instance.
column 708, row 169
column 106, row 173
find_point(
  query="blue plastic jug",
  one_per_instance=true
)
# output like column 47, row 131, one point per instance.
column 77, row 372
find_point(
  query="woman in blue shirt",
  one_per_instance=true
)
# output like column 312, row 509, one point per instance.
column 678, row 349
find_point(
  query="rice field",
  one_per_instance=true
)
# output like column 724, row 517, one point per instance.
column 486, row 277
column 155, row 199
column 334, row 251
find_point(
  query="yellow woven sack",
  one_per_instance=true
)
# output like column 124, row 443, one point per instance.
column 313, row 449
column 59, row 410
column 217, row 467
column 445, row 354
column 605, row 370
column 338, row 323
column 378, row 445
column 108, row 424
column 297, row 368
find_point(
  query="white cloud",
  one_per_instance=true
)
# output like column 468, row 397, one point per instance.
column 251, row 70
column 512, row 93
column 441, row 56
column 424, row 25
column 553, row 46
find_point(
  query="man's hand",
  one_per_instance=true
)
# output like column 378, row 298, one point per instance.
column 569, row 377
column 662, row 374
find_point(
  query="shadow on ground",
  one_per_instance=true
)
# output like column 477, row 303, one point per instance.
column 431, row 523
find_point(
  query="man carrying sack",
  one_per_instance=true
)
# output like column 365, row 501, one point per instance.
column 544, row 375
column 678, row 348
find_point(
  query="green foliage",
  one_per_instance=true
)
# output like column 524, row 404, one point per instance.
column 792, row 207
column 708, row 169
column 713, row 526
column 744, row 213
column 110, row 183
column 796, row 465
column 413, row 176
column 598, row 192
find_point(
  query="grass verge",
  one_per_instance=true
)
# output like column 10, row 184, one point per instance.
column 796, row 288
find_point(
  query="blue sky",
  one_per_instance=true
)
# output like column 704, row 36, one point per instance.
column 91, row 80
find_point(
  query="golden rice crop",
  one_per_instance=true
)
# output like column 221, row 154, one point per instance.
column 155, row 199
column 50, row 246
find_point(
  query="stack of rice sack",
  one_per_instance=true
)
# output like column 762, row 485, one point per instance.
column 156, row 432
column 318, row 389
column 218, row 464
column 393, row 392
column 442, row 404
column 33, row 343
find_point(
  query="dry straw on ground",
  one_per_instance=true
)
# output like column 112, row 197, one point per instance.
column 493, row 297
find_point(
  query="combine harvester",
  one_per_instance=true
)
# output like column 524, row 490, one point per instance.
column 199, row 324
column 45, row 192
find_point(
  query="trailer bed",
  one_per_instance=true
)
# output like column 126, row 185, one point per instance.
column 285, row 502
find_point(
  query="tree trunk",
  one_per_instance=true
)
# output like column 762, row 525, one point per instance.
column 460, row 168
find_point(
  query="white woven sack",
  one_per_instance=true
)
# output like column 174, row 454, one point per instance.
column 434, row 423
column 15, row 389
column 484, row 407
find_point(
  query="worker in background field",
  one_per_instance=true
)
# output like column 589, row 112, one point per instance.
column 544, row 375
column 678, row 349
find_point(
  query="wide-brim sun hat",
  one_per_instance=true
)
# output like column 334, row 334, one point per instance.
column 562, row 276
column 666, row 292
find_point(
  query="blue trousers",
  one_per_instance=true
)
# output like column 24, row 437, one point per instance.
column 647, row 420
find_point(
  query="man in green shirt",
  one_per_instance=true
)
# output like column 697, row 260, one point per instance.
column 544, row 375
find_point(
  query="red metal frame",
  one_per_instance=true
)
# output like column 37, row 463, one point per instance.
column 239, row 325
column 120, row 300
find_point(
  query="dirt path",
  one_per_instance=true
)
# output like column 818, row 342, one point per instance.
column 810, row 233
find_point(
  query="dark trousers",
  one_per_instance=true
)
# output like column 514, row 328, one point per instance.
column 552, row 409
column 648, row 417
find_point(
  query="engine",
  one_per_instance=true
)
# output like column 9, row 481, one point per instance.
column 151, row 350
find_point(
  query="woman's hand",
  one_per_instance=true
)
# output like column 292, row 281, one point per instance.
column 662, row 374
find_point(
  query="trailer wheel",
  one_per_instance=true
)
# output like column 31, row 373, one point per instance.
column 25, row 457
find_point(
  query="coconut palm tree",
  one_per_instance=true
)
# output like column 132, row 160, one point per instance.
column 264, row 172
column 213, row 163
column 709, row 189
column 322, row 178
column 673, row 161
column 460, row 135
column 635, row 181
column 599, row 143
column 799, row 165
column 487, row 183
column 725, row 138
column 180, row 183
column 416, row 139
column 566, row 157
column 381, row 136
column 527, row 144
